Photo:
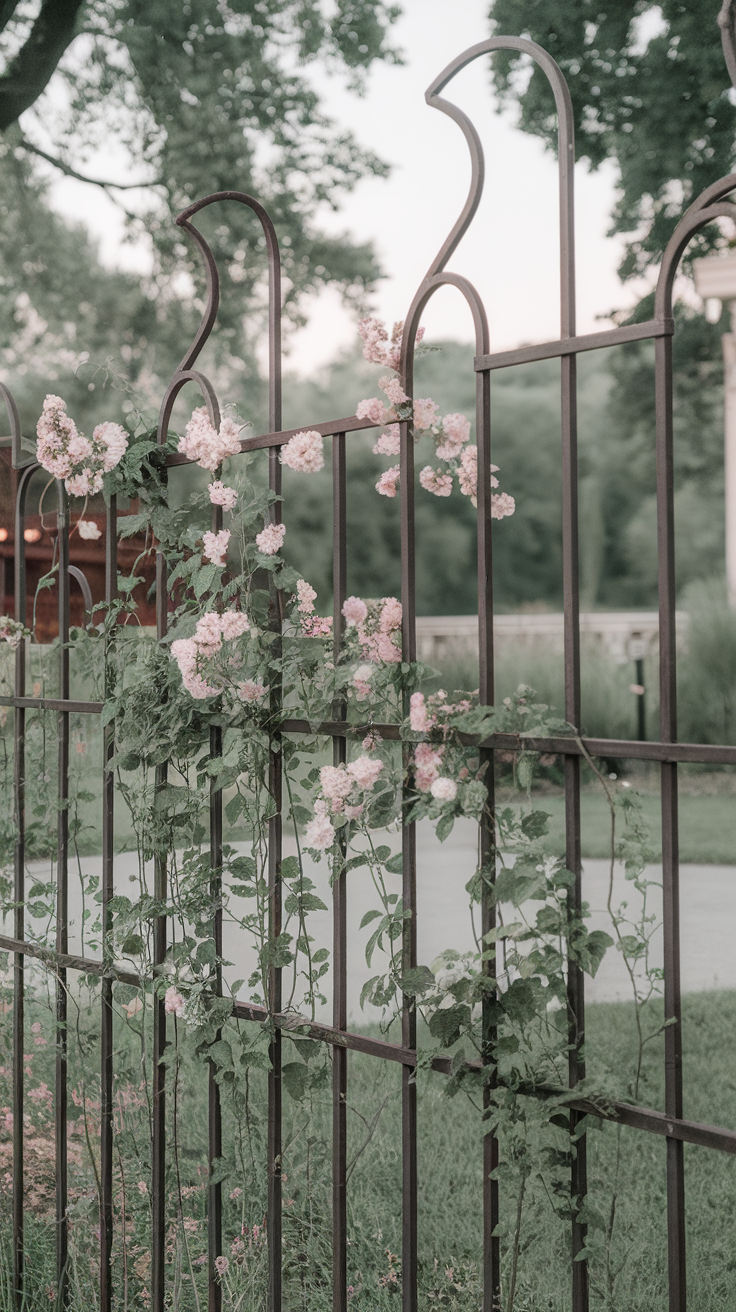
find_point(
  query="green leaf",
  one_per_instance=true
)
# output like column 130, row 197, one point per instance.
column 444, row 827
column 204, row 579
column 295, row 1076
column 368, row 917
column 416, row 981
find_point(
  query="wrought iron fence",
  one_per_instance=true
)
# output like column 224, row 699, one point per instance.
column 670, row 1124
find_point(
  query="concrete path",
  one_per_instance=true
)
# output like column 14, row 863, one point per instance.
column 707, row 911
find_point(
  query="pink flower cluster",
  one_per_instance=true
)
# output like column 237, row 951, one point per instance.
column 434, row 711
column 304, row 452
column 427, row 762
column 378, row 629
column 389, row 481
column 343, row 792
column 221, row 495
column 66, row 453
column 376, row 344
column 250, row 691
column 211, row 631
column 88, row 530
column 174, row 1002
column 313, row 626
column 433, row 481
column 206, row 447
column 271, row 539
column 215, row 546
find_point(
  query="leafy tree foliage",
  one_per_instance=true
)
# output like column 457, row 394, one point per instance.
column 661, row 108
column 204, row 96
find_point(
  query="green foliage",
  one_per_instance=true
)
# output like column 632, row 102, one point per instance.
column 660, row 107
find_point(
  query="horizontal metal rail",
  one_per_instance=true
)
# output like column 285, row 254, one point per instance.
column 635, row 332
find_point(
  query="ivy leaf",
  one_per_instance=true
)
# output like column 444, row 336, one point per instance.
column 295, row 1076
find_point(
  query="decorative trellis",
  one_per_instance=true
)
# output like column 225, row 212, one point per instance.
column 675, row 1130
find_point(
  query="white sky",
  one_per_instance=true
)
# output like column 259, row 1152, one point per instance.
column 511, row 251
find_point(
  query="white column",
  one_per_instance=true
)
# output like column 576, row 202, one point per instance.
column 729, row 424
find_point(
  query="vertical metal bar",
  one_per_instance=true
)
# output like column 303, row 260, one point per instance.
column 274, row 929
column 106, row 1022
column 491, row 1212
column 19, row 803
column 214, row 1208
column 158, row 1126
column 62, row 900
column 571, row 605
column 670, row 836
column 408, row 891
column 339, row 907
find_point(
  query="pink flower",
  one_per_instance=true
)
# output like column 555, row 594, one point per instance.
column 85, row 484
column 425, row 410
column 502, row 505
column 391, row 615
column 233, row 623
column 387, row 649
column 365, row 770
column 371, row 742
column 389, row 443
column 222, row 496
column 250, row 691
column 468, row 473
column 335, row 782
column 174, row 1002
column 393, row 390
column 386, row 484
column 354, row 812
column 113, row 440
column 444, row 789
column 427, row 761
column 456, row 430
column 372, row 409
column 433, row 481
column 362, row 681
column 221, row 1265
column 306, row 595
column 375, row 338
column 206, row 447
column 215, row 546
column 271, row 539
column 208, row 633
column 142, row 1188
column 304, row 452
column 418, row 717
column 354, row 611
column 88, row 530
column 319, row 834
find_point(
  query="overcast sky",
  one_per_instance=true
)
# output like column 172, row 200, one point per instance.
column 511, row 252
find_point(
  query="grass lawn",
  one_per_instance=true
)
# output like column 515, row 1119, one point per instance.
column 626, row 1167
column 707, row 823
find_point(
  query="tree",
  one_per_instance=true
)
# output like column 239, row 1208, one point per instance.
column 204, row 95
column 649, row 90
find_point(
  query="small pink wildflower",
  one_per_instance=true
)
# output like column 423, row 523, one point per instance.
column 249, row 691
column 427, row 761
column 221, row 1265
column 365, row 770
column 389, row 443
column 425, row 411
column 433, row 481
column 393, row 390
column 174, row 1002
column 502, row 505
column 206, row 447
column 468, row 473
column 372, row 409
column 418, row 717
column 215, row 546
column 391, row 615
column 222, row 496
column 362, row 681
column 354, row 611
column 142, row 1188
column 304, row 452
column 386, row 484
column 271, row 539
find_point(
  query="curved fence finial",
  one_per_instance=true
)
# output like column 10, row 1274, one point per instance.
column 185, row 372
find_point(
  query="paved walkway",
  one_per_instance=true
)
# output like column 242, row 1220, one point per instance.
column 708, row 916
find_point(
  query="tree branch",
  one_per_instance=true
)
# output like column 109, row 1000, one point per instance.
column 29, row 73
column 25, row 144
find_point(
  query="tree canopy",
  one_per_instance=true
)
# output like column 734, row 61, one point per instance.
column 649, row 90
column 202, row 96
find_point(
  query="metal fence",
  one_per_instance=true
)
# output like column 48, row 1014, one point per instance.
column 668, row 752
